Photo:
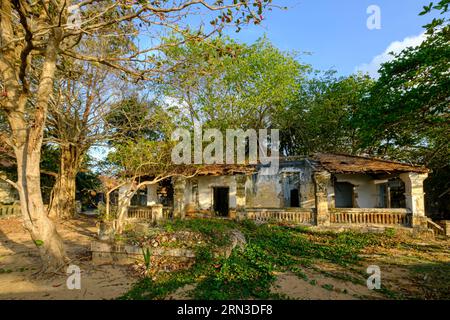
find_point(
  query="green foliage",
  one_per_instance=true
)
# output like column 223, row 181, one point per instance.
column 87, row 184
column 133, row 118
column 215, row 230
column 443, row 7
column 225, row 84
column 140, row 141
column 244, row 274
column 147, row 257
column 5, row 270
column 328, row 287
column 299, row 273
column 320, row 117
column 390, row 232
column 407, row 115
column 250, row 272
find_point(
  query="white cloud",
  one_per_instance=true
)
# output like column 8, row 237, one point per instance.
column 396, row 47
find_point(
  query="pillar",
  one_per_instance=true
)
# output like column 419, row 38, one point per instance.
column 415, row 197
column 179, row 185
column 321, row 182
column 240, row 195
column 157, row 213
column 152, row 195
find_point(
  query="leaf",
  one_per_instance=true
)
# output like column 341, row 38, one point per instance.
column 38, row 243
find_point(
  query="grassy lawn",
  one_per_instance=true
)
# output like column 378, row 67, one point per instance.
column 322, row 260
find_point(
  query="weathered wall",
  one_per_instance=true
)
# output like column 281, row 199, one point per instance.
column 205, row 190
column 274, row 191
column 366, row 192
column 264, row 191
column 307, row 195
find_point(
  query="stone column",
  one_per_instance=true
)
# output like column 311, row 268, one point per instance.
column 152, row 195
column 157, row 213
column 179, row 185
column 240, row 195
column 415, row 197
column 322, row 180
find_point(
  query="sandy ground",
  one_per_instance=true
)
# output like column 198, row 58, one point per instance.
column 19, row 261
column 320, row 287
column 415, row 269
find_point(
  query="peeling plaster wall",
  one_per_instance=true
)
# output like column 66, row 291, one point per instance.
column 264, row 191
column 205, row 190
column 274, row 191
column 365, row 190
column 307, row 193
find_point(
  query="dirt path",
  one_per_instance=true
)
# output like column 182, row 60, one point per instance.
column 19, row 260
column 412, row 269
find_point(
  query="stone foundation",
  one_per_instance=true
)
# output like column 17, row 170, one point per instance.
column 107, row 252
column 104, row 252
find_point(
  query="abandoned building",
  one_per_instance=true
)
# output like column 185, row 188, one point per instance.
column 323, row 190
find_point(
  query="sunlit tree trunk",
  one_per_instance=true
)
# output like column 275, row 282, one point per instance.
column 62, row 203
column 26, row 141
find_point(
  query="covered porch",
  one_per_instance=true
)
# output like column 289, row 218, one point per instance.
column 323, row 190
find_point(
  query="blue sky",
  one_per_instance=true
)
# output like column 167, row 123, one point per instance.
column 336, row 34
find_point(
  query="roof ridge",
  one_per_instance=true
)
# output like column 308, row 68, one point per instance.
column 371, row 158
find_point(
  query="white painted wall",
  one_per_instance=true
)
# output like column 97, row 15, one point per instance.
column 365, row 188
column 205, row 190
column 265, row 191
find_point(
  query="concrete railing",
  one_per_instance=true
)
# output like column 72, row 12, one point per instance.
column 292, row 215
column 445, row 224
column 9, row 210
column 370, row 216
column 437, row 229
column 148, row 213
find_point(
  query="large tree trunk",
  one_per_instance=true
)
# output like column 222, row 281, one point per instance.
column 26, row 139
column 62, row 203
column 36, row 221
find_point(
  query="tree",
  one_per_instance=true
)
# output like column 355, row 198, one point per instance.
column 83, row 98
column 34, row 40
column 140, row 153
column 225, row 84
column 442, row 6
column 320, row 117
column 407, row 114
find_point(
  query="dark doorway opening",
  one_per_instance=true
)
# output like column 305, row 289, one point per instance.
column 343, row 195
column 295, row 198
column 221, row 201
column 397, row 193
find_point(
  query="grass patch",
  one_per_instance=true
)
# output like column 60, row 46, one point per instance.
column 214, row 229
column 328, row 287
column 434, row 279
column 250, row 272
